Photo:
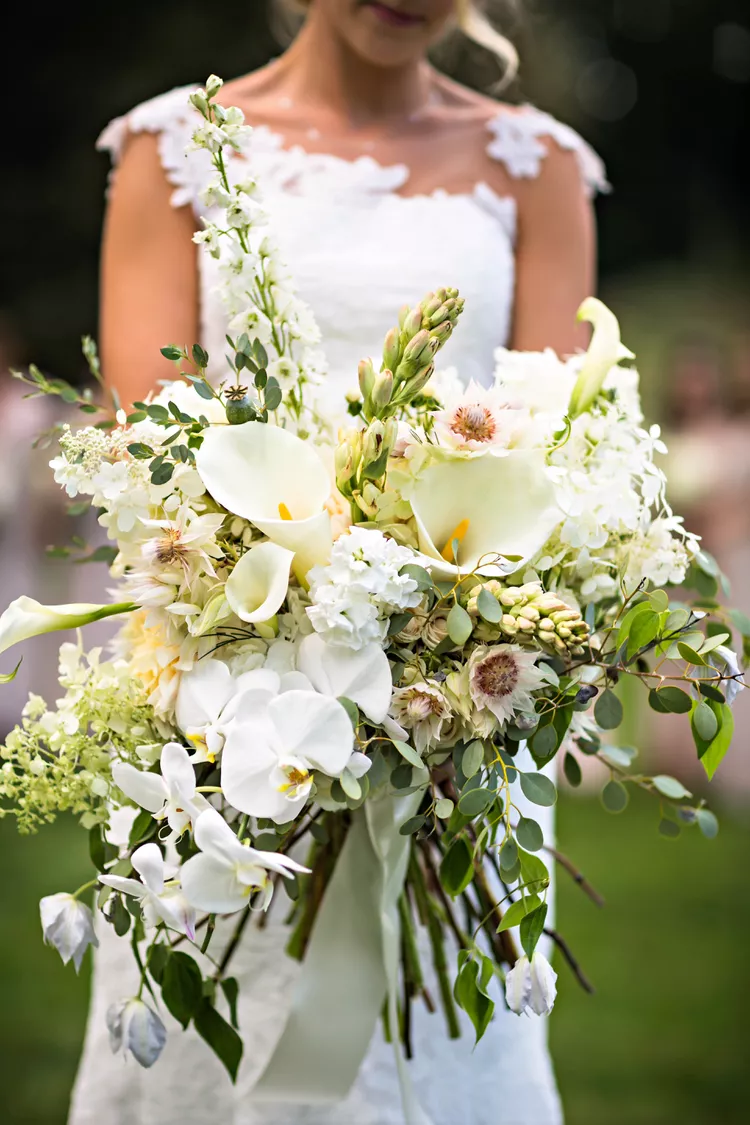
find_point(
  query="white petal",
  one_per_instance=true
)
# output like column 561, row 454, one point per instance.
column 177, row 770
column 126, row 886
column 214, row 836
column 247, row 763
column 363, row 676
column 149, row 863
column 254, row 692
column 358, row 764
column 204, row 692
column 313, row 727
column 258, row 585
column 509, row 503
column 146, row 789
column 543, row 985
column 518, row 985
column 211, row 884
column 273, row 861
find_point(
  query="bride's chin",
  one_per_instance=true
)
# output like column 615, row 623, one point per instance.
column 384, row 34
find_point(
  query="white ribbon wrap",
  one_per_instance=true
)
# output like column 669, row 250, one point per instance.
column 351, row 965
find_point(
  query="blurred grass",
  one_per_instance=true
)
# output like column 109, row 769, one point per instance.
column 663, row 1040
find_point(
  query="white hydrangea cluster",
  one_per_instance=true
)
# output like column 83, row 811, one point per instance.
column 361, row 587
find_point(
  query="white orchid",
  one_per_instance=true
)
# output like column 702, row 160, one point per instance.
column 530, row 986
column 364, row 676
column 269, row 757
column 498, row 510
column 169, row 795
column 258, row 585
column 208, row 698
column 68, row 924
column 225, row 874
column 161, row 899
column 134, row 1027
column 274, row 479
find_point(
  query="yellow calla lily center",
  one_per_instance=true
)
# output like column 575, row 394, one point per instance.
column 457, row 537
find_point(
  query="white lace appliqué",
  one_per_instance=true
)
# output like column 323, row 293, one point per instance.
column 517, row 143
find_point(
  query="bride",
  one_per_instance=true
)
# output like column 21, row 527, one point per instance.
column 383, row 180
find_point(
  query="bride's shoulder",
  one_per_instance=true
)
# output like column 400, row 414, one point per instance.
column 525, row 142
column 165, row 113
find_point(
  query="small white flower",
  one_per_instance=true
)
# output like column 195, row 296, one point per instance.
column 530, row 986
column 133, row 1027
column 161, row 900
column 68, row 925
column 502, row 679
column 225, row 874
column 730, row 667
column 480, row 418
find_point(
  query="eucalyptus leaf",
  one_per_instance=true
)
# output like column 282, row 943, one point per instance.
column 670, row 787
column 572, row 770
column 472, row 758
column 615, row 796
column 529, row 834
column 538, row 789
column 419, row 575
column 669, row 829
column 705, row 721
column 691, row 655
column 408, row 752
column 671, row 699
column 475, row 801
column 443, row 808
column 544, row 742
column 459, row 625
column 457, row 867
column 608, row 711
column 707, row 823
column 489, row 607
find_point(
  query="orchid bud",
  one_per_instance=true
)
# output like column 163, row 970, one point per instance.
column 68, row 925
column 531, row 986
column 200, row 101
column 134, row 1027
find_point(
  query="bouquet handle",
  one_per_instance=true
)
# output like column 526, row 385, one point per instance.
column 350, row 967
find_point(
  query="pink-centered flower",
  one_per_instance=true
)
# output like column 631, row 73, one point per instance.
column 502, row 679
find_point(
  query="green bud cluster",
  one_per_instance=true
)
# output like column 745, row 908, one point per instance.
column 409, row 353
column 531, row 616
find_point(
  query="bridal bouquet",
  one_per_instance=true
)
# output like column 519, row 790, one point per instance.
column 348, row 661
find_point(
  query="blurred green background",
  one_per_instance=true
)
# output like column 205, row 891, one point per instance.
column 662, row 89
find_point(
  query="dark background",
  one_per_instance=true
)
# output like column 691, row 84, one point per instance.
column 662, row 89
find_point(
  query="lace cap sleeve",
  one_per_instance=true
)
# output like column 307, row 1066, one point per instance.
column 173, row 119
column 517, row 143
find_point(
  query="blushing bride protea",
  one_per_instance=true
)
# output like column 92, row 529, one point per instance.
column 480, row 418
column 502, row 679
column 421, row 708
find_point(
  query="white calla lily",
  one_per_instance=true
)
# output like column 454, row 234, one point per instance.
column 208, row 700
column 500, row 509
column 225, row 874
column 257, row 586
column 169, row 795
column 161, row 899
column 274, row 479
column 25, row 618
column 269, row 758
column 364, row 676
column 604, row 352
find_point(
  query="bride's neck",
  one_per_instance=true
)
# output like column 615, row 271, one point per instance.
column 322, row 70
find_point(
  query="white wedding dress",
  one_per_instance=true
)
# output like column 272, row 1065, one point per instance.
column 358, row 250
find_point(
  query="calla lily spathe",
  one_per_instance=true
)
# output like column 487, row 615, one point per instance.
column 364, row 675
column 274, row 479
column 225, row 874
column 257, row 586
column 502, row 510
column 25, row 618
column 161, row 900
column 604, row 352
column 169, row 795
column 270, row 757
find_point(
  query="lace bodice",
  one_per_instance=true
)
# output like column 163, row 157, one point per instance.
column 358, row 249
column 358, row 245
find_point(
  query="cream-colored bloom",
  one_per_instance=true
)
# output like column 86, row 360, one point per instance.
column 478, row 419
column 25, row 618
column 500, row 509
column 258, row 585
column 605, row 352
column 530, row 986
column 68, row 925
column 161, row 899
column 275, row 480
column 502, row 679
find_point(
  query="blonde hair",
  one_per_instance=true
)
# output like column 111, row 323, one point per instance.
column 470, row 18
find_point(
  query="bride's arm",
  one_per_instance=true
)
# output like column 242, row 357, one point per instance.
column 555, row 256
column 149, row 285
